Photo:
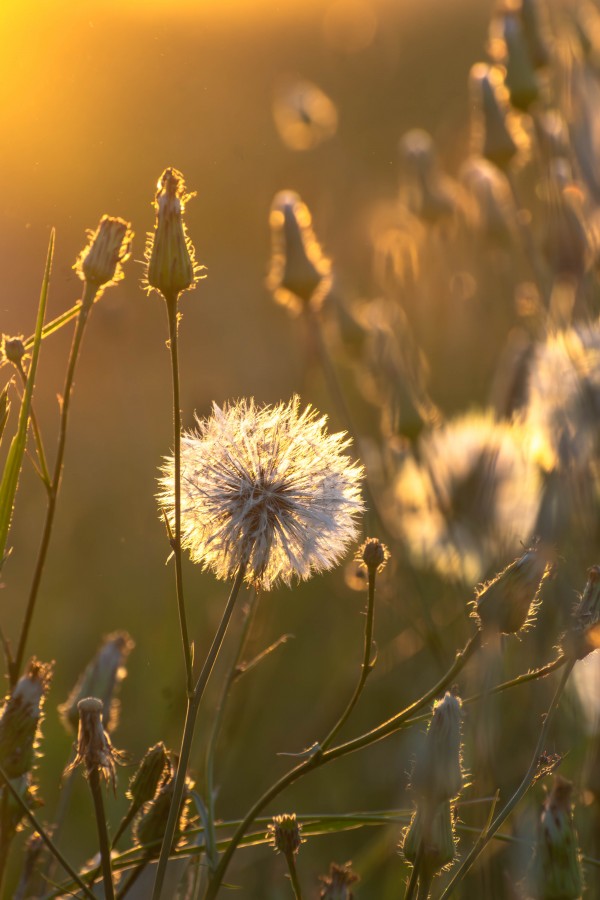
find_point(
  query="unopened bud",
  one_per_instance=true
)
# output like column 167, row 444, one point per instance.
column 13, row 349
column 170, row 254
column 100, row 263
column 94, row 749
column 509, row 601
column 583, row 637
column 149, row 828
column 490, row 189
column 430, row 194
column 493, row 135
column 435, row 834
column 284, row 834
column 338, row 884
column 101, row 678
column 508, row 36
column 556, row 869
column 437, row 773
column 300, row 273
column 20, row 720
column 374, row 554
column 151, row 772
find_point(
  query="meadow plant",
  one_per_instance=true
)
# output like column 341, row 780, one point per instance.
column 466, row 380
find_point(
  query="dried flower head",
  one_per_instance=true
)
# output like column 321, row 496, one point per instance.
column 437, row 773
column 284, row 833
column 337, row 884
column 101, row 678
column 373, row 554
column 471, row 498
column 266, row 488
column 170, row 254
column 101, row 262
column 21, row 718
column 556, row 870
column 508, row 602
column 149, row 827
column 300, row 273
column 153, row 771
column 94, row 748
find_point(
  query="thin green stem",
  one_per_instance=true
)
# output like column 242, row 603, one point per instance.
column 103, row 841
column 176, row 541
column 216, row 728
column 319, row 758
column 528, row 779
column 89, row 293
column 291, row 863
column 188, row 734
column 44, row 473
column 367, row 664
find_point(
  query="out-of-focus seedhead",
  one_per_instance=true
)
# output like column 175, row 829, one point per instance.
column 508, row 602
column 21, row 718
column 495, row 134
column 583, row 637
column 300, row 274
column 556, row 870
column 337, row 885
column 509, row 46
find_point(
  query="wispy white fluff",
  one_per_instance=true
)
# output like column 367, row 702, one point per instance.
column 265, row 486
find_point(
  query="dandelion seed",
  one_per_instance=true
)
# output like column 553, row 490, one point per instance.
column 265, row 487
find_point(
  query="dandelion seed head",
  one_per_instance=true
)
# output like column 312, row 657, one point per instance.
column 266, row 487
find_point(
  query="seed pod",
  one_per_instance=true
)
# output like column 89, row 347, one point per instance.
column 437, row 773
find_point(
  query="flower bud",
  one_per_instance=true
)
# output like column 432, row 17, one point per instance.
column 437, row 773
column 495, row 214
column 510, row 45
column 300, row 273
column 94, row 749
column 556, row 869
column 149, row 828
column 583, row 637
column 509, row 601
column 436, row 838
column 101, row 678
column 284, row 833
column 170, row 254
column 100, row 263
column 20, row 720
column 13, row 349
column 151, row 772
column 337, row 885
column 374, row 554
column 494, row 135
column 430, row 194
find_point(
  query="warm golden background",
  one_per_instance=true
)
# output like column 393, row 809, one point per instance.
column 96, row 98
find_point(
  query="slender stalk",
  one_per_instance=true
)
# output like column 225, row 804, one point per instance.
column 188, row 734
column 367, row 664
column 291, row 863
column 528, row 780
column 233, row 673
column 7, row 838
column 89, row 293
column 44, row 472
column 319, row 758
column 176, row 542
column 414, row 875
column 96, row 789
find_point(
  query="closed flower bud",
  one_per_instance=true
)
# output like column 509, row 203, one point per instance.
column 100, row 263
column 435, row 834
column 94, row 749
column 20, row 720
column 13, row 349
column 556, row 869
column 284, row 834
column 494, row 134
column 300, row 273
column 101, row 678
column 152, row 770
column 428, row 192
column 583, row 637
column 373, row 554
column 170, row 255
column 437, row 773
column 508, row 602
column 338, row 884
column 150, row 825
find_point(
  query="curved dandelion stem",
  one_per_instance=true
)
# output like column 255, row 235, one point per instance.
column 234, row 671
column 367, row 664
column 528, row 779
column 319, row 759
column 176, row 541
column 96, row 789
column 188, row 734
column 89, row 293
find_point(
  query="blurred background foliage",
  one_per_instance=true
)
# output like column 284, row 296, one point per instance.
column 246, row 99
